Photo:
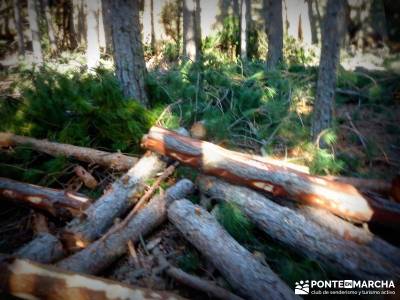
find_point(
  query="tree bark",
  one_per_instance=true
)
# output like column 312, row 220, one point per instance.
column 239, row 267
column 28, row 280
column 116, row 161
column 56, row 202
column 332, row 34
column 292, row 229
column 191, row 47
column 274, row 29
column 35, row 33
column 44, row 248
column 339, row 198
column 100, row 215
column 127, row 46
column 102, row 253
column 79, row 22
column 244, row 5
column 50, row 28
column 192, row 281
column 19, row 27
column 153, row 32
column 92, row 34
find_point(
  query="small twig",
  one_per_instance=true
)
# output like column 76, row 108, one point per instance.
column 132, row 252
column 192, row 281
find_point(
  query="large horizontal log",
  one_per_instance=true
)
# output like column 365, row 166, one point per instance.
column 103, row 252
column 29, row 280
column 339, row 198
column 239, row 267
column 117, row 161
column 55, row 202
column 99, row 216
column 294, row 230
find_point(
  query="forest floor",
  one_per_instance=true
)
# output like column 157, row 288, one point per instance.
column 240, row 108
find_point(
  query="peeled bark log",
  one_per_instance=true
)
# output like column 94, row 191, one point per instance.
column 28, row 280
column 100, row 216
column 339, row 198
column 100, row 254
column 292, row 229
column 115, row 161
column 239, row 267
column 55, row 202
column 45, row 248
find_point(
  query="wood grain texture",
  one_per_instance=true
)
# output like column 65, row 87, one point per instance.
column 238, row 266
column 339, row 198
column 100, row 254
column 304, row 236
column 27, row 280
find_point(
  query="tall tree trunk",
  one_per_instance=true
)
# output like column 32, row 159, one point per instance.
column 333, row 31
column 314, row 21
column 19, row 27
column 274, row 29
column 50, row 28
column 102, row 33
column 153, row 33
column 190, row 49
column 127, row 46
column 79, row 22
column 107, row 26
column 244, row 7
column 35, row 34
column 92, row 34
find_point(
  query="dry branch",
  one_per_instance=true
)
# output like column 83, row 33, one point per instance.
column 55, row 202
column 27, row 280
column 117, row 161
column 106, row 250
column 339, row 198
column 239, row 267
column 87, row 178
column 192, row 281
column 294, row 230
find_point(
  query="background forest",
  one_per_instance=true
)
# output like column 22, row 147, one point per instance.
column 315, row 84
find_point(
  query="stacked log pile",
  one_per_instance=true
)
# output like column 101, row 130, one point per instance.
column 320, row 218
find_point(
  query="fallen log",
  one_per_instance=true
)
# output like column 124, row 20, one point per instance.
column 44, row 248
column 192, row 281
column 116, row 161
column 103, row 252
column 88, row 180
column 346, row 230
column 339, row 198
column 28, row 280
column 99, row 216
column 239, row 267
column 55, row 202
column 302, row 235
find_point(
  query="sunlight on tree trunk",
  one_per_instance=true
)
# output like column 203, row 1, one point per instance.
column 274, row 29
column 19, row 27
column 102, row 34
column 127, row 46
column 79, row 22
column 332, row 33
column 92, row 34
column 35, row 34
